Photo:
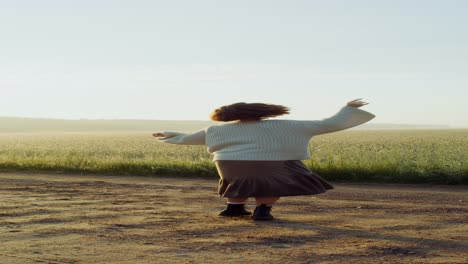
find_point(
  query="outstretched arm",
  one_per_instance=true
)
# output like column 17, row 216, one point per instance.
column 349, row 116
column 197, row 138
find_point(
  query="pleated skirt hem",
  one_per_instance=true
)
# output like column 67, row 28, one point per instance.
column 242, row 178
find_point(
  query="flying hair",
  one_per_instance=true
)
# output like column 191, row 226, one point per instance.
column 248, row 111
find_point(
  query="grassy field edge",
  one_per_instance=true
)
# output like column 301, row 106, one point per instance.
column 208, row 170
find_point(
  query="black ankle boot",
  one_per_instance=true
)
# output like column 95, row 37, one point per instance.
column 262, row 212
column 233, row 210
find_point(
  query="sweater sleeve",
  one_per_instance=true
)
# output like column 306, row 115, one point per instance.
column 346, row 118
column 197, row 138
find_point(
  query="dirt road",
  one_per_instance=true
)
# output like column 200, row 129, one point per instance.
column 103, row 219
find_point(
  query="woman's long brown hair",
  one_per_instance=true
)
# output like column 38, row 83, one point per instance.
column 248, row 111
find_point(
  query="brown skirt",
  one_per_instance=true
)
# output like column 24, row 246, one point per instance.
column 260, row 178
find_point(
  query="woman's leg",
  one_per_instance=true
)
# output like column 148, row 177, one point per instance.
column 268, row 201
column 235, row 207
column 263, row 209
column 237, row 200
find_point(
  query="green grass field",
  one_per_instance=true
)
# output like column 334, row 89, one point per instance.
column 391, row 156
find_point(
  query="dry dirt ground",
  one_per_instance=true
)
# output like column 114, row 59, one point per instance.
column 105, row 219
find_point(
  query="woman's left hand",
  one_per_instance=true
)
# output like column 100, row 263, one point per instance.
column 159, row 134
column 356, row 103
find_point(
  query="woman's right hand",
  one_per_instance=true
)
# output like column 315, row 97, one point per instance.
column 356, row 103
column 159, row 134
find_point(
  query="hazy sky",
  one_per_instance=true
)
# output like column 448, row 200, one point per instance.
column 176, row 59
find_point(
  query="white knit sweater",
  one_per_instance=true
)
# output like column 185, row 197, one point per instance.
column 267, row 139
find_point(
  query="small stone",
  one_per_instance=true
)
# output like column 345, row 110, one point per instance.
column 280, row 246
column 182, row 255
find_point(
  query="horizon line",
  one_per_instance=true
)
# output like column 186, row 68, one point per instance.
column 197, row 120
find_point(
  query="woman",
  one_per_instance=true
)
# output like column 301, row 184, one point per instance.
column 261, row 158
